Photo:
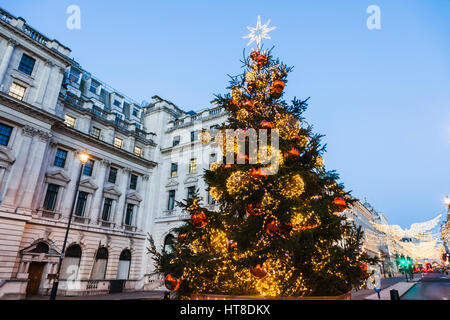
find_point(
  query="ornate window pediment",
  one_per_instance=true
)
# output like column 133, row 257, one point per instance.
column 112, row 192
column 172, row 183
column 6, row 158
column 40, row 247
column 88, row 185
column 191, row 180
column 58, row 177
column 134, row 198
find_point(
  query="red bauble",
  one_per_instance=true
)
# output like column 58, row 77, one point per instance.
column 277, row 88
column 254, row 55
column 292, row 153
column 258, row 271
column 257, row 173
column 233, row 244
column 199, row 219
column 340, row 203
column 182, row 236
column 248, row 104
column 241, row 157
column 171, row 283
column 266, row 124
column 261, row 60
column 273, row 227
column 227, row 166
column 253, row 209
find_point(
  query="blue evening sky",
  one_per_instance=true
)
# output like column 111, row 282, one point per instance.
column 381, row 97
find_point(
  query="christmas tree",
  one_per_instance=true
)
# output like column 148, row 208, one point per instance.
column 279, row 230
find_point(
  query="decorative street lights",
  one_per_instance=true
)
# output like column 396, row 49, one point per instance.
column 84, row 157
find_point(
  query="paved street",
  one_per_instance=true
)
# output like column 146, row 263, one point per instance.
column 144, row 295
column 434, row 286
column 385, row 283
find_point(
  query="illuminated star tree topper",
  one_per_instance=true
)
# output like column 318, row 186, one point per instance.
column 259, row 32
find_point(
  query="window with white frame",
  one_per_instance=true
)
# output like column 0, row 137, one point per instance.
column 17, row 91
column 70, row 121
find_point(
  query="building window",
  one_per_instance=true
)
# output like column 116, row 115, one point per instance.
column 212, row 159
column 112, row 177
column 81, row 203
column 138, row 151
column 71, row 262
column 101, row 261
column 26, row 64
column 174, row 170
column 74, row 76
column 5, row 134
column 117, row 103
column 17, row 91
column 193, row 166
column 123, row 270
column 50, row 197
column 119, row 116
column 133, row 182
column 171, row 204
column 176, row 141
column 70, row 121
column 129, row 214
column 107, row 205
column 211, row 199
column 60, row 158
column 94, row 87
column 96, row 132
column 136, row 112
column 194, row 136
column 191, row 192
column 168, row 244
column 118, row 143
column 88, row 167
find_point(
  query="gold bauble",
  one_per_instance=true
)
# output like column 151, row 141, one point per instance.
column 242, row 115
column 215, row 193
column 319, row 162
column 292, row 187
column 237, row 182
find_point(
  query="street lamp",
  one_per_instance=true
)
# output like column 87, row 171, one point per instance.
column 84, row 157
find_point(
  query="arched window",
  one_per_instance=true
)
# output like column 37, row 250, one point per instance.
column 71, row 263
column 101, row 261
column 168, row 243
column 123, row 271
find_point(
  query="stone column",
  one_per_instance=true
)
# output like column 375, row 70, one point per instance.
column 121, row 202
column 43, row 82
column 6, row 59
column 33, row 169
column 17, row 170
column 96, row 209
column 140, row 219
column 69, row 193
column 52, row 89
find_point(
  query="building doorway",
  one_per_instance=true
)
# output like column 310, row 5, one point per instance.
column 34, row 277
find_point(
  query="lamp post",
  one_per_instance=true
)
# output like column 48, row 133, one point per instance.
column 84, row 157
